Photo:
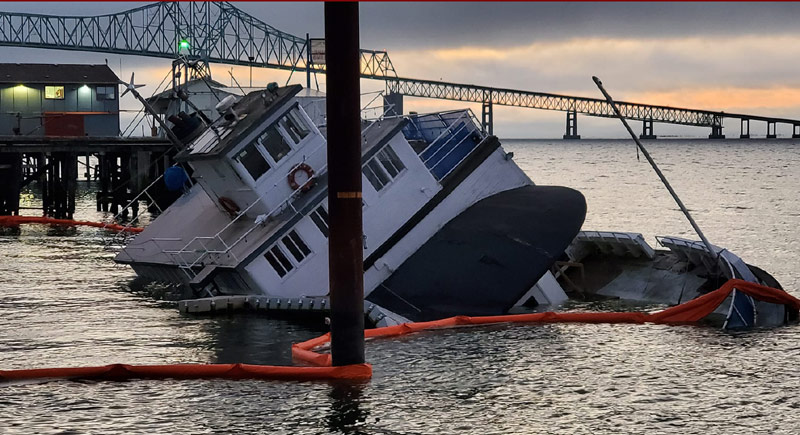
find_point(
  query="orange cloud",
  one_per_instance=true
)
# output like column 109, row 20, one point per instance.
column 727, row 99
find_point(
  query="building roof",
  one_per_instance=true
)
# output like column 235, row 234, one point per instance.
column 56, row 73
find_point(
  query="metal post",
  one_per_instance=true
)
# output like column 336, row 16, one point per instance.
column 345, row 249
column 308, row 61
column 745, row 129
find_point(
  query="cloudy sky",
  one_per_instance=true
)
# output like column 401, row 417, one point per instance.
column 736, row 57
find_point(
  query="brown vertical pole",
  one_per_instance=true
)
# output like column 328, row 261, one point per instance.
column 346, row 251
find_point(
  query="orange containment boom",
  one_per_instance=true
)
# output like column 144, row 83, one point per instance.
column 10, row 221
column 120, row 372
column 688, row 312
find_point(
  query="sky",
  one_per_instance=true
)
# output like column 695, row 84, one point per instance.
column 735, row 57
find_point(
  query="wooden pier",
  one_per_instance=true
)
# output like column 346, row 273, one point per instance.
column 125, row 166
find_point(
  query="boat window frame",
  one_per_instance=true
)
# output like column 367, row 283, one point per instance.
column 242, row 169
column 321, row 222
column 382, row 167
column 293, row 147
column 281, row 247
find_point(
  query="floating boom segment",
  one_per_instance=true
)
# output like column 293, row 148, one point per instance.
column 216, row 31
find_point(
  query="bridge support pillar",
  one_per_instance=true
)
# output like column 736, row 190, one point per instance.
column 716, row 132
column 572, row 125
column 647, row 130
column 771, row 134
column 393, row 104
column 795, row 131
column 745, row 123
column 487, row 118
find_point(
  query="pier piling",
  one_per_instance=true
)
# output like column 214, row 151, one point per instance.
column 346, row 251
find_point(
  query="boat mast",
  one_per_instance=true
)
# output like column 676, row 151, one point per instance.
column 655, row 168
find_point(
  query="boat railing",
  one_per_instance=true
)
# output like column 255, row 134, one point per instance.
column 206, row 252
column 449, row 143
column 121, row 237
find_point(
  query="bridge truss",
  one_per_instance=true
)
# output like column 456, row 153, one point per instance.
column 221, row 33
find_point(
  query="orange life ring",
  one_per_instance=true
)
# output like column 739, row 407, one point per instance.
column 229, row 205
column 309, row 174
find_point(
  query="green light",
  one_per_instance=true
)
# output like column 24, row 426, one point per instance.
column 184, row 44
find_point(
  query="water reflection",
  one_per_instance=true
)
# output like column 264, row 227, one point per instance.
column 66, row 304
column 346, row 413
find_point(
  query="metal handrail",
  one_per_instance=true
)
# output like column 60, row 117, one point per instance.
column 228, row 248
column 446, row 129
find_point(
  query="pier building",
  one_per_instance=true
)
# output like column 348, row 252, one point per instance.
column 58, row 100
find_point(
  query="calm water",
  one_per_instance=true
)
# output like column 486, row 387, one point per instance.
column 64, row 303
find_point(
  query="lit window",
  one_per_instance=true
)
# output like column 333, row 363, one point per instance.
column 275, row 144
column 253, row 161
column 383, row 168
column 320, row 218
column 106, row 93
column 54, row 92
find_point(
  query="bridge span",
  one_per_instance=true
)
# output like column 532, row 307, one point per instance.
column 219, row 32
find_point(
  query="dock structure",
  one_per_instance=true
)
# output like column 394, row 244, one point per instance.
column 272, row 305
column 125, row 166
column 219, row 32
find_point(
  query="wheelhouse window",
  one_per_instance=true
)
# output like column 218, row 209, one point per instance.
column 275, row 144
column 252, row 160
column 106, row 93
column 383, row 168
column 279, row 138
column 320, row 218
column 54, row 92
column 294, row 125
column 286, row 255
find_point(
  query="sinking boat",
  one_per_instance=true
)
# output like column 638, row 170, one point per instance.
column 451, row 224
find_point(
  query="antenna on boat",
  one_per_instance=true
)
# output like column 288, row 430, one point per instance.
column 131, row 87
column 655, row 168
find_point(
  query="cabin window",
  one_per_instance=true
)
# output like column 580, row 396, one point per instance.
column 253, row 161
column 106, row 93
column 320, row 218
column 277, row 259
column 276, row 145
column 54, row 92
column 294, row 126
column 383, row 168
column 281, row 261
column 296, row 246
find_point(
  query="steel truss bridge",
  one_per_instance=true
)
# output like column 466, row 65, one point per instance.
column 221, row 33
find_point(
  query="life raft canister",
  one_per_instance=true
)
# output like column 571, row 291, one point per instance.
column 229, row 205
column 309, row 173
